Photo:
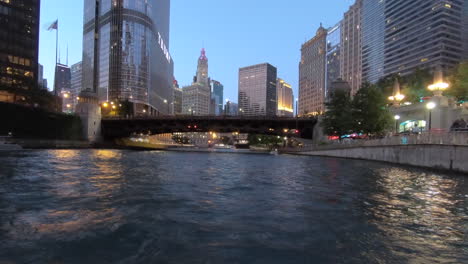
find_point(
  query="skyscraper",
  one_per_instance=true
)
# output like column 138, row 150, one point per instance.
column 217, row 92
column 19, row 47
column 333, row 61
column 257, row 90
column 177, row 98
column 285, row 98
column 373, row 36
column 76, row 82
column 63, row 86
column 424, row 34
column 126, row 53
column 312, row 69
column 196, row 98
column 351, row 47
column 231, row 109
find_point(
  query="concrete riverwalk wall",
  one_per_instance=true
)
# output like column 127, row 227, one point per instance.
column 447, row 157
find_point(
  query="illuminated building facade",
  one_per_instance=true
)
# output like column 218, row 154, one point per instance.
column 312, row 69
column 19, row 47
column 285, row 98
column 333, row 71
column 126, row 53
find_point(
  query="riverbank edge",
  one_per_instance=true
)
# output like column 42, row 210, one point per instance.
column 449, row 158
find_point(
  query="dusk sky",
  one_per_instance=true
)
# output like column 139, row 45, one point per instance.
column 235, row 33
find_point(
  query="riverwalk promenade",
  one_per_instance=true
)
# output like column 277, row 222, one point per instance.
column 446, row 151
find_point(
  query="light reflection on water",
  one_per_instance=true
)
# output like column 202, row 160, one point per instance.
column 106, row 206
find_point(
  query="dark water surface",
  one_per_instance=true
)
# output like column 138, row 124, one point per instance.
column 102, row 206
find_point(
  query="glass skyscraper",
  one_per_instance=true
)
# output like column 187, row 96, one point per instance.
column 217, row 94
column 373, row 36
column 19, row 47
column 126, row 53
column 333, row 71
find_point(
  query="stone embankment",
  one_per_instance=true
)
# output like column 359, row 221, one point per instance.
column 448, row 151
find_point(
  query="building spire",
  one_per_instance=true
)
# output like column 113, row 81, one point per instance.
column 203, row 55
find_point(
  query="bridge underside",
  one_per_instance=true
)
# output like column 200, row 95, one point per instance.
column 121, row 128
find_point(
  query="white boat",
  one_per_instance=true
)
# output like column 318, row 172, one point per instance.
column 5, row 144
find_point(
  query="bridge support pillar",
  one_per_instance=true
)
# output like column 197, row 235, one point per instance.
column 89, row 110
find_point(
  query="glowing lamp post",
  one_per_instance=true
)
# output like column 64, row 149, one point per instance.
column 397, row 119
column 438, row 88
column 430, row 106
column 397, row 97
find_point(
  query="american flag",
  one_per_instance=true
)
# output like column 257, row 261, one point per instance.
column 53, row 26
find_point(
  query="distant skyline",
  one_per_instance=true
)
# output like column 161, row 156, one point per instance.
column 235, row 34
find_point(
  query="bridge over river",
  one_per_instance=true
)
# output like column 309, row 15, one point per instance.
column 123, row 127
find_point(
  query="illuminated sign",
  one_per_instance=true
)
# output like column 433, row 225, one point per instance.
column 163, row 47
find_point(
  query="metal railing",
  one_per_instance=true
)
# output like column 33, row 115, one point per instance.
column 427, row 138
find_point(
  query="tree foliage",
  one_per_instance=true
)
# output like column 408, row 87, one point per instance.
column 337, row 120
column 459, row 82
column 369, row 112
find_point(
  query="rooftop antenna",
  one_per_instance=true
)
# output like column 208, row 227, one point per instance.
column 67, row 54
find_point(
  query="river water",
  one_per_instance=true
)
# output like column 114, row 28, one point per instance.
column 106, row 206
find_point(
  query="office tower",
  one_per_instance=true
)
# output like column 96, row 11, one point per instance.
column 333, row 61
column 373, row 37
column 40, row 75
column 196, row 98
column 257, row 90
column 424, row 34
column 231, row 109
column 351, row 47
column 126, row 53
column 285, row 99
column 19, row 47
column 63, row 86
column 312, row 69
column 76, row 82
column 177, row 98
column 217, row 92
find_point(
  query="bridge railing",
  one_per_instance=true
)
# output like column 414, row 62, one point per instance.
column 189, row 117
column 445, row 138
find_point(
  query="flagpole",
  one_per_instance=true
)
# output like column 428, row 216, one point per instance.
column 56, row 59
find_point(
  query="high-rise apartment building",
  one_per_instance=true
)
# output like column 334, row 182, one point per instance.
column 126, row 53
column 312, row 69
column 19, row 47
column 373, row 37
column 257, row 90
column 333, row 59
column 76, row 82
column 196, row 98
column 351, row 47
column 424, row 34
column 285, row 98
column 217, row 94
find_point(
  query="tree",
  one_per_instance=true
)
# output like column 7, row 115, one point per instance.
column 459, row 82
column 337, row 120
column 370, row 113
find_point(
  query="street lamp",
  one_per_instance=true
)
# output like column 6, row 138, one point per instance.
column 397, row 118
column 439, row 86
column 397, row 97
column 430, row 106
